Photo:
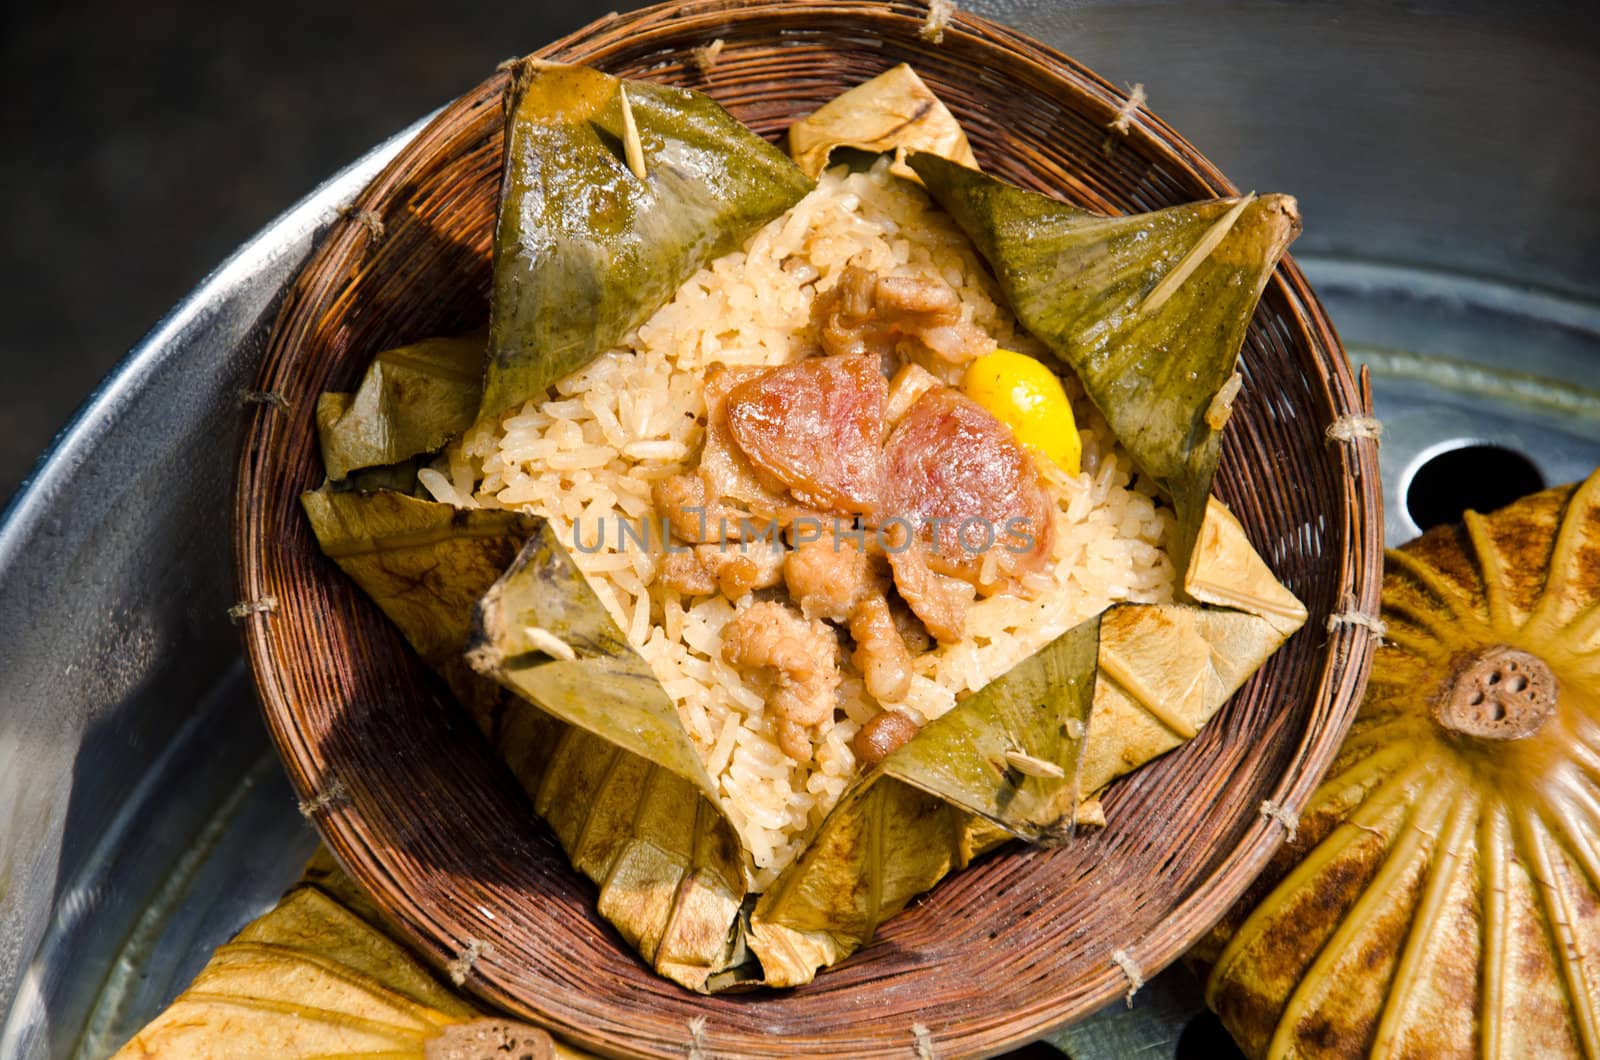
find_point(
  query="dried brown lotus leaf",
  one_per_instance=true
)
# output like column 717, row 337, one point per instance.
column 325, row 874
column 894, row 112
column 311, row 920
column 1442, row 896
column 425, row 565
column 412, row 400
column 488, row 1039
column 1165, row 670
column 206, row 1028
column 1225, row 570
column 317, row 977
column 671, row 884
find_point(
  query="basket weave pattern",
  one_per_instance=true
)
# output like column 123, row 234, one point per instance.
column 410, row 797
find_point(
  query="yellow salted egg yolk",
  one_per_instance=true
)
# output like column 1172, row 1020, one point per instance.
column 1027, row 397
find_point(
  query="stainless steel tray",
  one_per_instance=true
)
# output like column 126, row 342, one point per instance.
column 1452, row 229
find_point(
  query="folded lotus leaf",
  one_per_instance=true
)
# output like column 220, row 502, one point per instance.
column 798, row 936
column 615, row 781
column 1165, row 670
column 1008, row 755
column 670, row 882
column 1158, row 360
column 884, row 843
column 425, row 564
column 887, row 841
column 412, row 400
column 585, row 250
column 542, row 631
column 894, row 111
column 396, row 478
column 317, row 977
column 1227, row 571
column 1010, row 751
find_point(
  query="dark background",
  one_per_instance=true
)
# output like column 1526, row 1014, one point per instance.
column 141, row 143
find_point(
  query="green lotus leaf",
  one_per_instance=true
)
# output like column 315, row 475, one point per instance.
column 1148, row 310
column 585, row 250
column 411, row 401
column 1010, row 752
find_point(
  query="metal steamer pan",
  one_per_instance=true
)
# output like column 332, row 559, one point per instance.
column 1444, row 156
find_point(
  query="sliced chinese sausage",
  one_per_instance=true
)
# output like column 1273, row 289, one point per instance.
column 816, row 426
column 723, row 464
column 725, row 497
column 958, row 477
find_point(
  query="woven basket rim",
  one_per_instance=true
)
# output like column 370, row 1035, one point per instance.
column 1336, row 683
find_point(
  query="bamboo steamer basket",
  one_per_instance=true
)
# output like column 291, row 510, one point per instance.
column 410, row 797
